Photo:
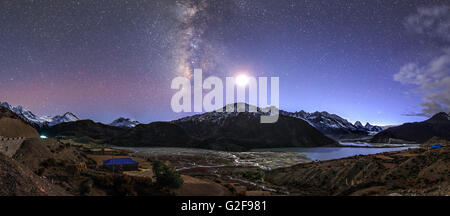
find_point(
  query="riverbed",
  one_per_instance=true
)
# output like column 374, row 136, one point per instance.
column 269, row 158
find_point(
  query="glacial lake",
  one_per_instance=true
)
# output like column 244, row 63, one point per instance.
column 331, row 153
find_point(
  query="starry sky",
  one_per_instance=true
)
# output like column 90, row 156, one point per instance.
column 383, row 62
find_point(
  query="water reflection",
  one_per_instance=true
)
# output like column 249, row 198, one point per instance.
column 330, row 153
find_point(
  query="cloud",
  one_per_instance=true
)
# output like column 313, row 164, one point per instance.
column 431, row 21
column 433, row 80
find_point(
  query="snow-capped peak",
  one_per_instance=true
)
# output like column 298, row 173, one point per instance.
column 67, row 117
column 124, row 122
column 23, row 113
column 372, row 128
column 31, row 118
column 230, row 110
column 358, row 124
column 332, row 124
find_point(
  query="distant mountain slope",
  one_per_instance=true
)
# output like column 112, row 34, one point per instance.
column 84, row 128
column 335, row 126
column 11, row 125
column 39, row 122
column 438, row 125
column 156, row 134
column 124, row 122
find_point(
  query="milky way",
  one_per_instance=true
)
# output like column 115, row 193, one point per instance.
column 108, row 58
column 198, row 42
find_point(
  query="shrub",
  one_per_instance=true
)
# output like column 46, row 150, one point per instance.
column 85, row 187
column 48, row 163
column 118, row 185
column 166, row 176
column 254, row 176
column 124, row 185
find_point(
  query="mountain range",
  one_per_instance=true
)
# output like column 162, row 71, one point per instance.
column 49, row 121
column 39, row 122
column 331, row 125
column 335, row 126
column 234, row 131
column 124, row 123
column 230, row 131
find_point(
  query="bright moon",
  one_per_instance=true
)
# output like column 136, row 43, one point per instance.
column 242, row 80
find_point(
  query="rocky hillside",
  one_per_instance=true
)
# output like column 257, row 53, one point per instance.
column 17, row 180
column 419, row 132
column 56, row 161
column 420, row 171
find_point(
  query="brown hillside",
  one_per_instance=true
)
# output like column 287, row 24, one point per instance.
column 12, row 125
column 419, row 171
column 55, row 161
column 34, row 152
column 17, row 180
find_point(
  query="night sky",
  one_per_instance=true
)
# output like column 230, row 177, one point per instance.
column 385, row 62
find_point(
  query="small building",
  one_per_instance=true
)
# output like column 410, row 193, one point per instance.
column 437, row 146
column 121, row 164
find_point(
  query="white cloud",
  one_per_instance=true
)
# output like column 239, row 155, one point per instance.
column 433, row 80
